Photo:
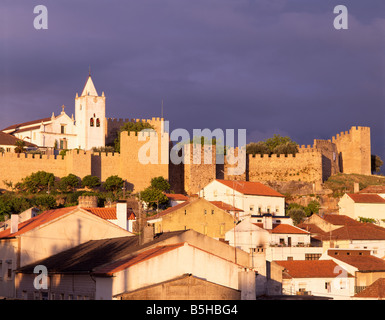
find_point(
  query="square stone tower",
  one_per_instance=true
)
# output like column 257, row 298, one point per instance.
column 90, row 116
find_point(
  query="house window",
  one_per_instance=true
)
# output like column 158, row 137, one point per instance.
column 9, row 270
column 251, row 208
column 185, row 212
column 62, row 129
column 289, row 258
column 222, row 229
column 212, row 211
column 205, row 211
column 327, row 286
column 268, row 209
column 277, row 209
column 91, row 122
column 312, row 256
column 259, row 210
column 97, row 122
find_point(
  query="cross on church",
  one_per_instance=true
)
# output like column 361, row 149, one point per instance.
column 62, row 108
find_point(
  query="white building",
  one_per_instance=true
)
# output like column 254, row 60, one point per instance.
column 275, row 236
column 323, row 278
column 360, row 205
column 251, row 197
column 85, row 131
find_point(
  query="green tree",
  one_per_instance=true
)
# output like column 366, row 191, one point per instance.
column 153, row 197
column 312, row 207
column 113, row 183
column 37, row 182
column 131, row 127
column 376, row 163
column 91, row 182
column 68, row 183
column 298, row 214
column 20, row 146
column 161, row 184
column 259, row 147
column 44, row 202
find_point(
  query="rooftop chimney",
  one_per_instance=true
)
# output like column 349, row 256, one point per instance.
column 356, row 187
column 267, row 221
column 14, row 223
column 121, row 213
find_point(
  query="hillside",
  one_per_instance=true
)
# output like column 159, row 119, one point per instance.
column 341, row 183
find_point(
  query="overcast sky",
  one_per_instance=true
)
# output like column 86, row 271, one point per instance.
column 268, row 66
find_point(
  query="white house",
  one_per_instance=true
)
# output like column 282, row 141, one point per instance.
column 360, row 205
column 46, row 234
column 106, row 269
column 251, row 197
column 85, row 131
column 279, row 241
column 323, row 278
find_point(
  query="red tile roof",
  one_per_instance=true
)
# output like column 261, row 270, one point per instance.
column 366, row 198
column 251, row 188
column 110, row 269
column 310, row 268
column 365, row 231
column 283, row 228
column 36, row 221
column 225, row 206
column 176, row 196
column 15, row 126
column 108, row 213
column 373, row 189
column 375, row 290
column 364, row 263
column 340, row 220
column 9, row 140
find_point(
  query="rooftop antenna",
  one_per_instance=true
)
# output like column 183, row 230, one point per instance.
column 162, row 110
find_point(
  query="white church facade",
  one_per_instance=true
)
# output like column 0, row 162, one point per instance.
column 85, row 131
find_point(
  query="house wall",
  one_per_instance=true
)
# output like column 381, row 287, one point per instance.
column 185, row 259
column 64, row 233
column 60, row 287
column 341, row 288
column 214, row 225
column 217, row 191
column 188, row 288
column 8, row 253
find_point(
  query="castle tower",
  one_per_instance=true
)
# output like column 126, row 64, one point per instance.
column 90, row 115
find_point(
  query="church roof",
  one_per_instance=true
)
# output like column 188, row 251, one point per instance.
column 24, row 124
column 89, row 88
column 9, row 140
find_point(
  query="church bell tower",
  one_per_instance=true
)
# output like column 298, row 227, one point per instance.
column 90, row 116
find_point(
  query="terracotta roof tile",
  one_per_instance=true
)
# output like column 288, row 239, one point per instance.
column 310, row 268
column 176, row 196
column 122, row 264
column 366, row 198
column 373, row 189
column 362, row 263
column 36, row 221
column 251, row 188
column 283, row 228
column 340, row 220
column 225, row 206
column 365, row 231
column 9, row 140
column 109, row 213
column 15, row 126
column 375, row 290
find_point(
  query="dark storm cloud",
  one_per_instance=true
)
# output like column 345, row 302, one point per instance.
column 270, row 66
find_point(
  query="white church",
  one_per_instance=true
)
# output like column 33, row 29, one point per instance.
column 85, row 131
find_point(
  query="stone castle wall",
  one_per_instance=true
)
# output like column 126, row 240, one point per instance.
column 348, row 152
column 354, row 150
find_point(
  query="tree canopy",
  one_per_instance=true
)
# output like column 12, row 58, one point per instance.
column 275, row 145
